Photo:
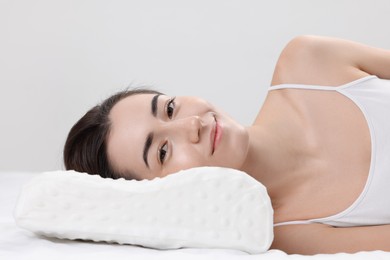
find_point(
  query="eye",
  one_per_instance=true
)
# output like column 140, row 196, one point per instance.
column 170, row 107
column 162, row 152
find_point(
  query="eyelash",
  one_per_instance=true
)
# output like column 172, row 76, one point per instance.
column 168, row 107
column 162, row 153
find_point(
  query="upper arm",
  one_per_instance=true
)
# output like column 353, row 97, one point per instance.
column 329, row 61
column 320, row 238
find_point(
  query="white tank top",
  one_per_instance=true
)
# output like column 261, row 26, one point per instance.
column 372, row 207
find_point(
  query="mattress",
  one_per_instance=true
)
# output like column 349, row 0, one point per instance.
column 17, row 243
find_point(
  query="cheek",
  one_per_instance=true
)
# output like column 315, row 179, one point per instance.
column 184, row 159
column 195, row 106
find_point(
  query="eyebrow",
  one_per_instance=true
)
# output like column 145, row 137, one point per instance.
column 149, row 138
column 148, row 143
column 154, row 105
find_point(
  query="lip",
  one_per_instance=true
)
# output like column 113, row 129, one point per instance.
column 215, row 135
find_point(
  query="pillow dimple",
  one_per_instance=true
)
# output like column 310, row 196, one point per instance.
column 202, row 195
column 40, row 204
column 214, row 235
column 214, row 208
column 76, row 217
column 225, row 222
column 103, row 217
column 238, row 209
column 249, row 223
column 90, row 206
column 200, row 220
column 188, row 207
column 165, row 205
column 226, row 196
column 66, row 206
column 175, row 220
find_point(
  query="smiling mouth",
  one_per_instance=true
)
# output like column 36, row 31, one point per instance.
column 215, row 134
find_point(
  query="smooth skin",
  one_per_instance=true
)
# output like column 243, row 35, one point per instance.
column 313, row 159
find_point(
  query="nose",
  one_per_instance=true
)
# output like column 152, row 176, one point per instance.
column 189, row 127
column 194, row 129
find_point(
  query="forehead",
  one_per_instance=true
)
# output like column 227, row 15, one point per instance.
column 131, row 105
column 130, row 123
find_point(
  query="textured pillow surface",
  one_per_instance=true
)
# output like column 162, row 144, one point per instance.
column 207, row 207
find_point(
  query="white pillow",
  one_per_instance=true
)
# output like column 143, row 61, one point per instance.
column 207, row 207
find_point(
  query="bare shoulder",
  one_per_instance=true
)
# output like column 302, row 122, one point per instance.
column 319, row 238
column 294, row 239
column 317, row 60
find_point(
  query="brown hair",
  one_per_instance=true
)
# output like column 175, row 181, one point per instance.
column 85, row 146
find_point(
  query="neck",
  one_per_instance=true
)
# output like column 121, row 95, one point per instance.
column 272, row 160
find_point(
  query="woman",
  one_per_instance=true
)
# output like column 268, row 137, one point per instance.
column 319, row 144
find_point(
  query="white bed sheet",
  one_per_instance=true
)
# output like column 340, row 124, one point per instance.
column 16, row 243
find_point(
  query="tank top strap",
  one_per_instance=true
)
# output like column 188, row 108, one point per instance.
column 294, row 222
column 319, row 87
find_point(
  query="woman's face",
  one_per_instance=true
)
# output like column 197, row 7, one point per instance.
column 155, row 135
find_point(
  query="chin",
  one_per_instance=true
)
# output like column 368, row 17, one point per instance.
column 234, row 155
column 233, row 147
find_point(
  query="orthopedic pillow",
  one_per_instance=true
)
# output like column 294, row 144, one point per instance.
column 201, row 207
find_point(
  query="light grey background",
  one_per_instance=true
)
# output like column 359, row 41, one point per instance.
column 59, row 58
